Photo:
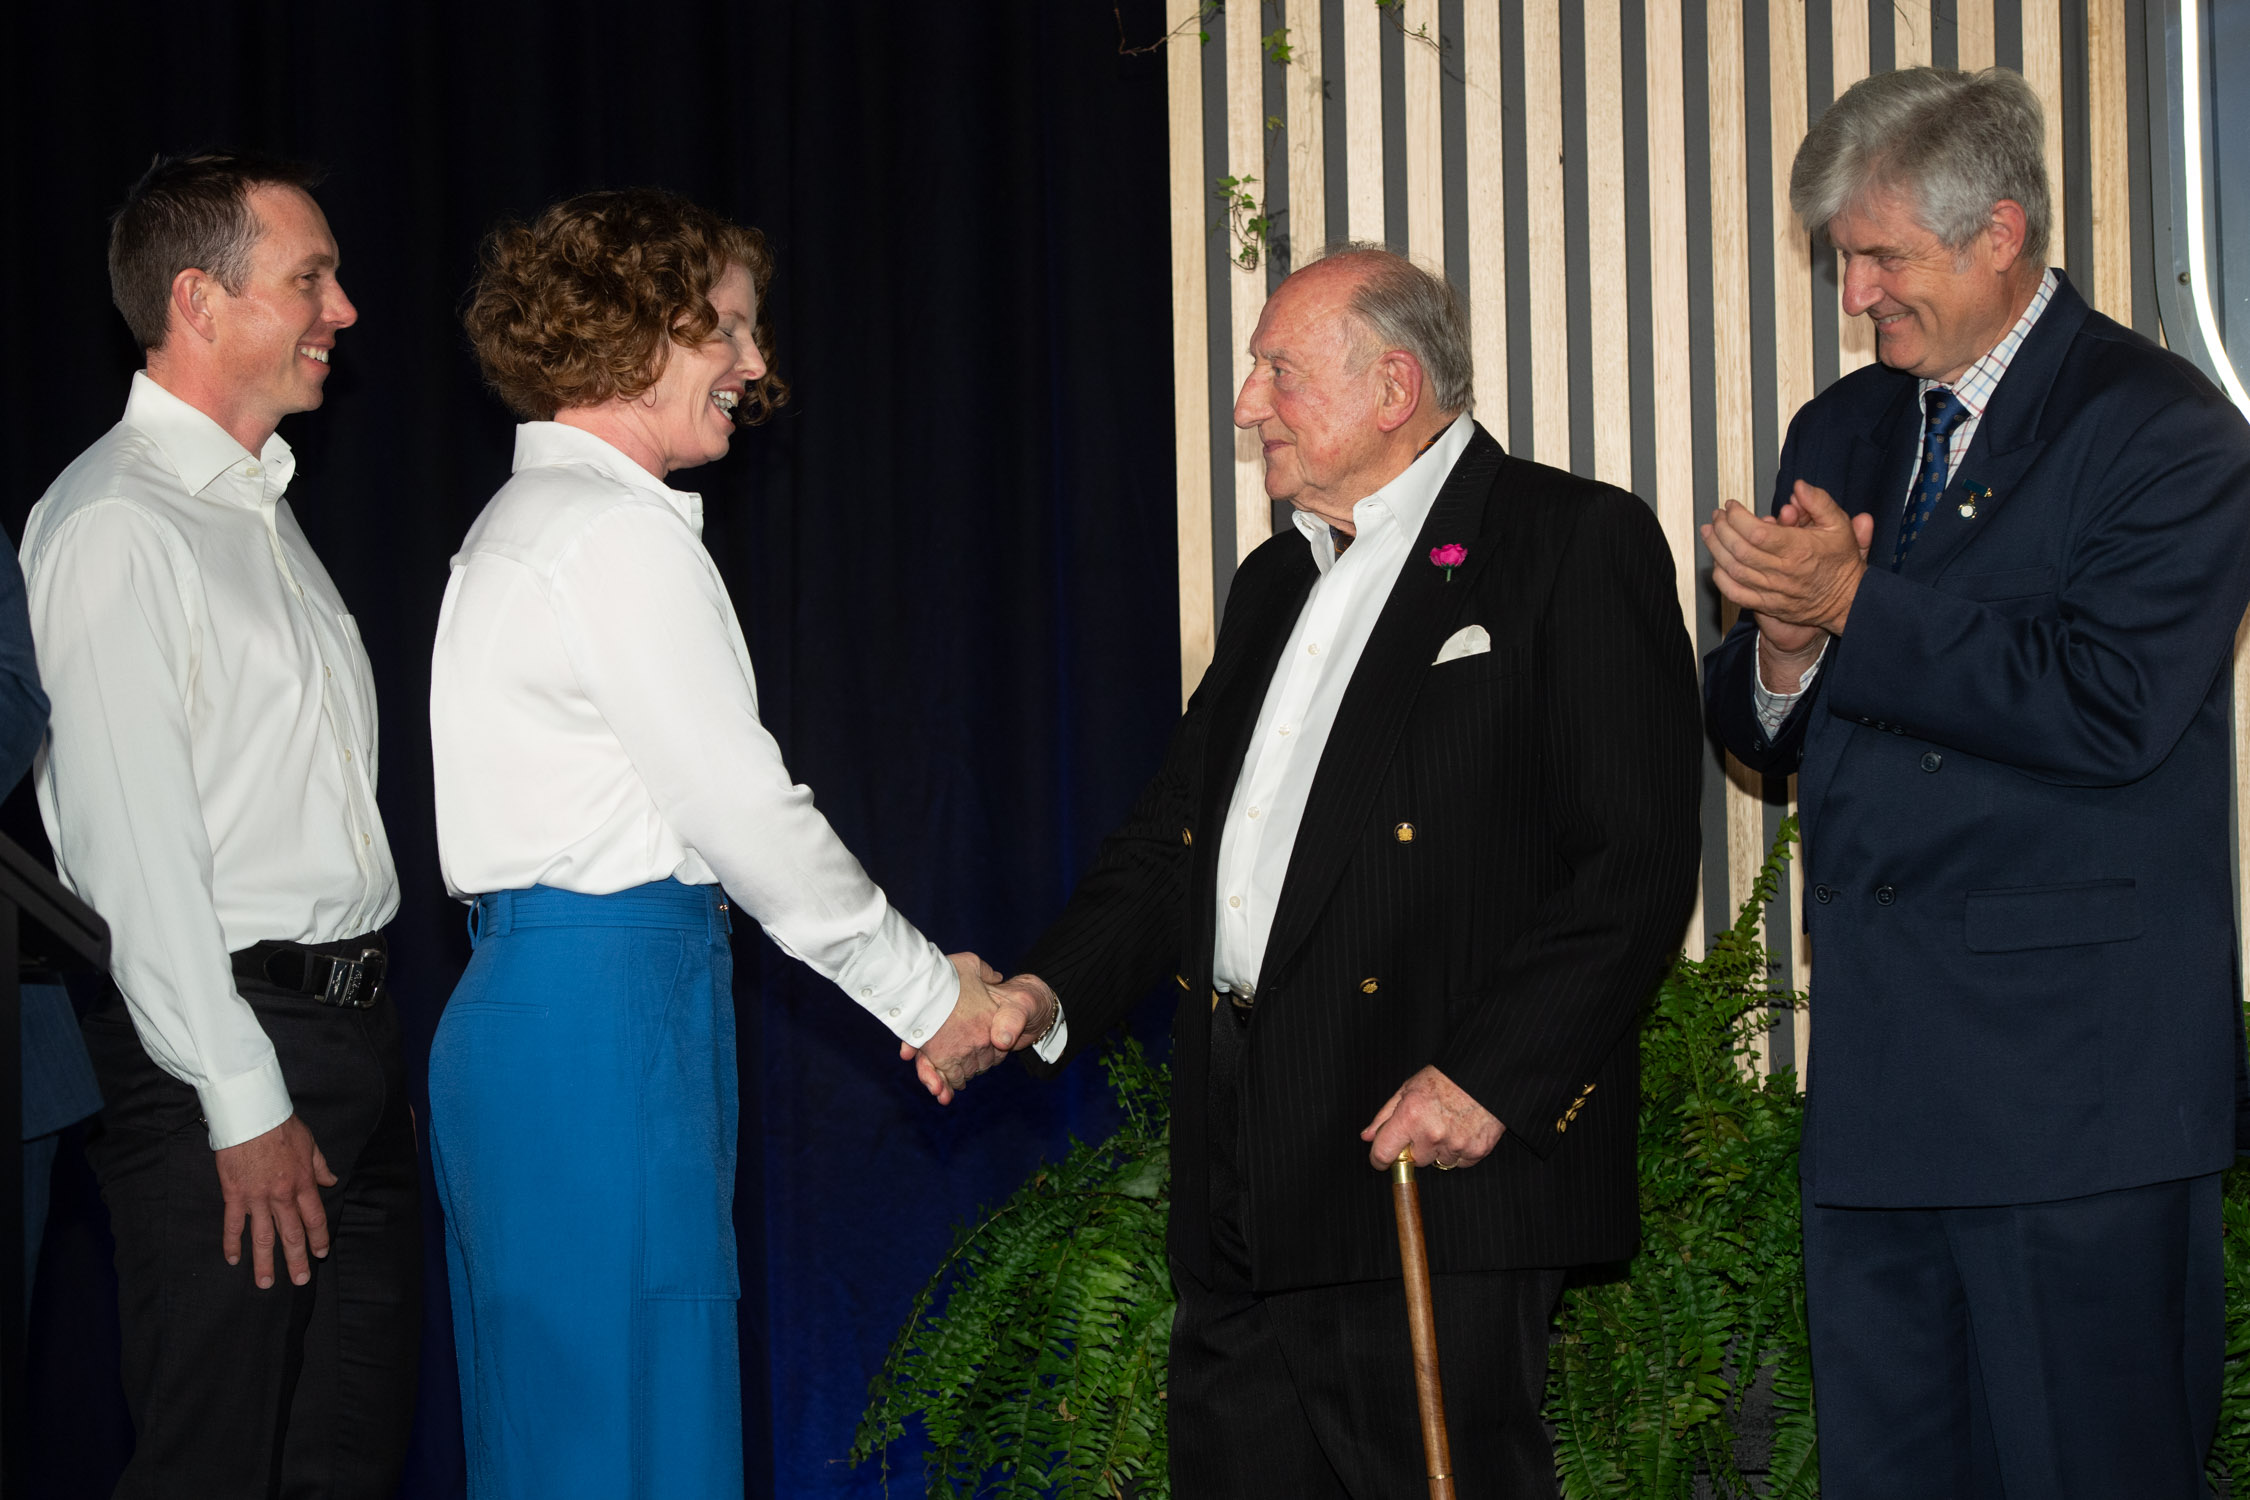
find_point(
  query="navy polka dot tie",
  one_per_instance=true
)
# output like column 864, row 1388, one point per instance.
column 1942, row 411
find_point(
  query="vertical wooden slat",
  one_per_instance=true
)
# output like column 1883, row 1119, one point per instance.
column 1848, row 46
column 1246, row 284
column 2242, row 778
column 1792, row 248
column 1308, row 135
column 2042, row 68
column 1671, row 371
column 1732, row 436
column 1363, row 121
column 1973, row 35
column 1910, row 33
column 1793, row 338
column 1611, row 385
column 1191, row 352
column 1485, row 159
column 1425, row 138
column 1544, row 244
column 2110, row 169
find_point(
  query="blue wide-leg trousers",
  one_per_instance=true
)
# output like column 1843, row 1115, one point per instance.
column 582, row 1127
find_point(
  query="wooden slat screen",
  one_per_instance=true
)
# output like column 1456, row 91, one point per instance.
column 1626, row 169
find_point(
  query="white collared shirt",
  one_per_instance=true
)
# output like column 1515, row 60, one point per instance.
column 1307, row 688
column 1974, row 390
column 594, row 718
column 209, row 775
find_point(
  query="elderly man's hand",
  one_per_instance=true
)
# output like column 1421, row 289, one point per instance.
column 1797, row 572
column 989, row 1021
column 1430, row 1113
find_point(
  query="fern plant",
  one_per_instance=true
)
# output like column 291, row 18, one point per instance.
column 2230, row 1454
column 1042, row 1373
column 1651, row 1373
column 1034, row 1358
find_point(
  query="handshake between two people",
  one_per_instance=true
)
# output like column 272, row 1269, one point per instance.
column 1430, row 1115
column 991, row 1019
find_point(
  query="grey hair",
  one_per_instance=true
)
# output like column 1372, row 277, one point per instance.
column 1402, row 306
column 1955, row 143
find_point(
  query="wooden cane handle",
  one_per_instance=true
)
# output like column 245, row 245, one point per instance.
column 1421, row 1326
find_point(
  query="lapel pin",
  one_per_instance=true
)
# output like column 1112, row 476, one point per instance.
column 1969, row 506
column 1449, row 557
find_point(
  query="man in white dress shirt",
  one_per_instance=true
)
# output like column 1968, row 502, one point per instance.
column 209, row 786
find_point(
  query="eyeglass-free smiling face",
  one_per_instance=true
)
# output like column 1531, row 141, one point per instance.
column 1936, row 311
column 272, row 340
column 690, row 416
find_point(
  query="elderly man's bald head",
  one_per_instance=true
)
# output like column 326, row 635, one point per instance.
column 1358, row 360
column 1398, row 305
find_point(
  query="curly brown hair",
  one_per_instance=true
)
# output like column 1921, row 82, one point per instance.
column 583, row 304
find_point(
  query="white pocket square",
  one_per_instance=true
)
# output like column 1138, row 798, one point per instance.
column 1469, row 640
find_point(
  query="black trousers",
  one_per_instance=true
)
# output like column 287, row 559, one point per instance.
column 2065, row 1350
column 298, row 1392
column 1309, row 1394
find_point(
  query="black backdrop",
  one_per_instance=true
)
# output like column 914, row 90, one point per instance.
column 952, row 553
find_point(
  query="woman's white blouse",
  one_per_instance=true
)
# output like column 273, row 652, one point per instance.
column 594, row 719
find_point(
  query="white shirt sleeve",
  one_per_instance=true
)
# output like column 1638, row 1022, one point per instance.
column 1772, row 707
column 648, row 629
column 118, row 653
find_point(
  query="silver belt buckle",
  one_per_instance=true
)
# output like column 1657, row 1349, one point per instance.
column 346, row 977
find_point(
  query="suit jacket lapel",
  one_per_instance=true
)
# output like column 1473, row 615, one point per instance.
column 1422, row 610
column 1874, row 482
column 2007, row 441
column 1883, row 460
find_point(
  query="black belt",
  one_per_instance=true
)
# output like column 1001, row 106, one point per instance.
column 347, row 974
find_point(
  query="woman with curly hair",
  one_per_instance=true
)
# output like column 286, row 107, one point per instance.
column 601, row 773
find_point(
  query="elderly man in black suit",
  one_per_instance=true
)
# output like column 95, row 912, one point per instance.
column 2015, row 771
column 1421, row 847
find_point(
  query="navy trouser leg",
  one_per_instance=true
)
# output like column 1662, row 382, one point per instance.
column 2058, row 1349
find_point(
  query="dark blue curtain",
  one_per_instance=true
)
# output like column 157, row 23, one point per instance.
column 952, row 552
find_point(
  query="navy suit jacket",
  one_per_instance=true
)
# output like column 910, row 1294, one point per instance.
column 2014, row 773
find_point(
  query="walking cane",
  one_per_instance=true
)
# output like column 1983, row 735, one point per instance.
column 1421, row 1325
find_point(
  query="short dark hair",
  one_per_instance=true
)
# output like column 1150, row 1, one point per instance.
column 585, row 303
column 190, row 211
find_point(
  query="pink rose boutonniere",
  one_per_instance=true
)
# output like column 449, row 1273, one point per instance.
column 1449, row 557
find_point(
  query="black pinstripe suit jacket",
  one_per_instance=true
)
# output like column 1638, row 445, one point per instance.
column 1550, row 786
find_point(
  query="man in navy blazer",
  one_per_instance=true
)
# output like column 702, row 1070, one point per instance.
column 1988, row 624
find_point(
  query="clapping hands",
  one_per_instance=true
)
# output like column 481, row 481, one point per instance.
column 989, row 1021
column 1798, row 571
